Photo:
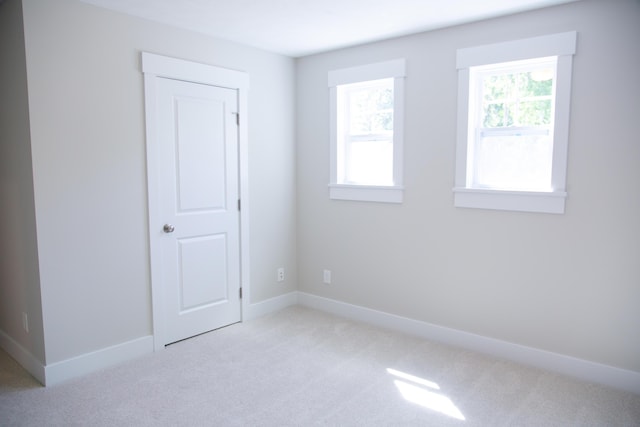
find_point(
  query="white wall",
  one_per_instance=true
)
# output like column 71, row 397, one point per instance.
column 568, row 284
column 19, row 279
column 88, row 147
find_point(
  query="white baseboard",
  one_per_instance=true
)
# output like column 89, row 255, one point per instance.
column 59, row 372
column 262, row 308
column 589, row 371
column 67, row 369
column 28, row 361
column 567, row 365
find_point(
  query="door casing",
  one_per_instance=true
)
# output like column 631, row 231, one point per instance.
column 158, row 66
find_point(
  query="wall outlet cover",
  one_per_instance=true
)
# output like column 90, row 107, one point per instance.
column 326, row 276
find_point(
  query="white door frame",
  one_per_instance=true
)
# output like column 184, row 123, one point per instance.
column 157, row 66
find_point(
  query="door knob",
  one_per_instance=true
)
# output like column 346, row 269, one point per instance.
column 168, row 228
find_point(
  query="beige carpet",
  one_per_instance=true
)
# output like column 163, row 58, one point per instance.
column 300, row 367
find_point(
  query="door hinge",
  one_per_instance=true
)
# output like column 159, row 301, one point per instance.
column 238, row 204
column 237, row 118
column 240, row 293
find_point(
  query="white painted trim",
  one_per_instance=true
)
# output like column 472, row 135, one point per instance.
column 562, row 121
column 245, row 220
column 153, row 170
column 173, row 68
column 462, row 129
column 522, row 201
column 271, row 305
column 566, row 365
column 363, row 73
column 60, row 372
column 398, row 132
column 333, row 137
column 65, row 370
column 563, row 46
column 23, row 356
column 158, row 66
column 366, row 193
column 514, row 50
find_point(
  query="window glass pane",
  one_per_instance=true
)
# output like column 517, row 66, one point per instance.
column 382, row 122
column 517, row 98
column 534, row 113
column 367, row 137
column 369, row 162
column 497, row 94
column 496, row 86
column 514, row 162
column 496, row 115
column 536, row 83
column 370, row 107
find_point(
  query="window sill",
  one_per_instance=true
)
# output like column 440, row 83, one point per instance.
column 366, row 193
column 522, row 201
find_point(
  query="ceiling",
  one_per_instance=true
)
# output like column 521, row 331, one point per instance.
column 302, row 27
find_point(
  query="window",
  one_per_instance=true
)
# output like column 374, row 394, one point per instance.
column 513, row 124
column 366, row 132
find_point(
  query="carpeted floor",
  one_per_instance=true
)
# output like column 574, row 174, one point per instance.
column 300, row 367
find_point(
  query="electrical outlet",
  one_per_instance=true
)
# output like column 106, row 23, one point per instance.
column 25, row 322
column 281, row 274
column 326, row 276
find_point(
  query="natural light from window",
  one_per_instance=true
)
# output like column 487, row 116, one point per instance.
column 419, row 391
column 366, row 111
column 365, row 132
column 511, row 113
column 512, row 140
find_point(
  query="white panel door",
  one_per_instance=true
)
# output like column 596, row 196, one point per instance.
column 197, row 135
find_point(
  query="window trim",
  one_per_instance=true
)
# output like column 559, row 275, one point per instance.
column 382, row 70
column 563, row 46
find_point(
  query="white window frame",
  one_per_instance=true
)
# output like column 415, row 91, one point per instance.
column 562, row 46
column 372, row 193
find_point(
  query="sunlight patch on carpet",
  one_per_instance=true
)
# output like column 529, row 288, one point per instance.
column 416, row 391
